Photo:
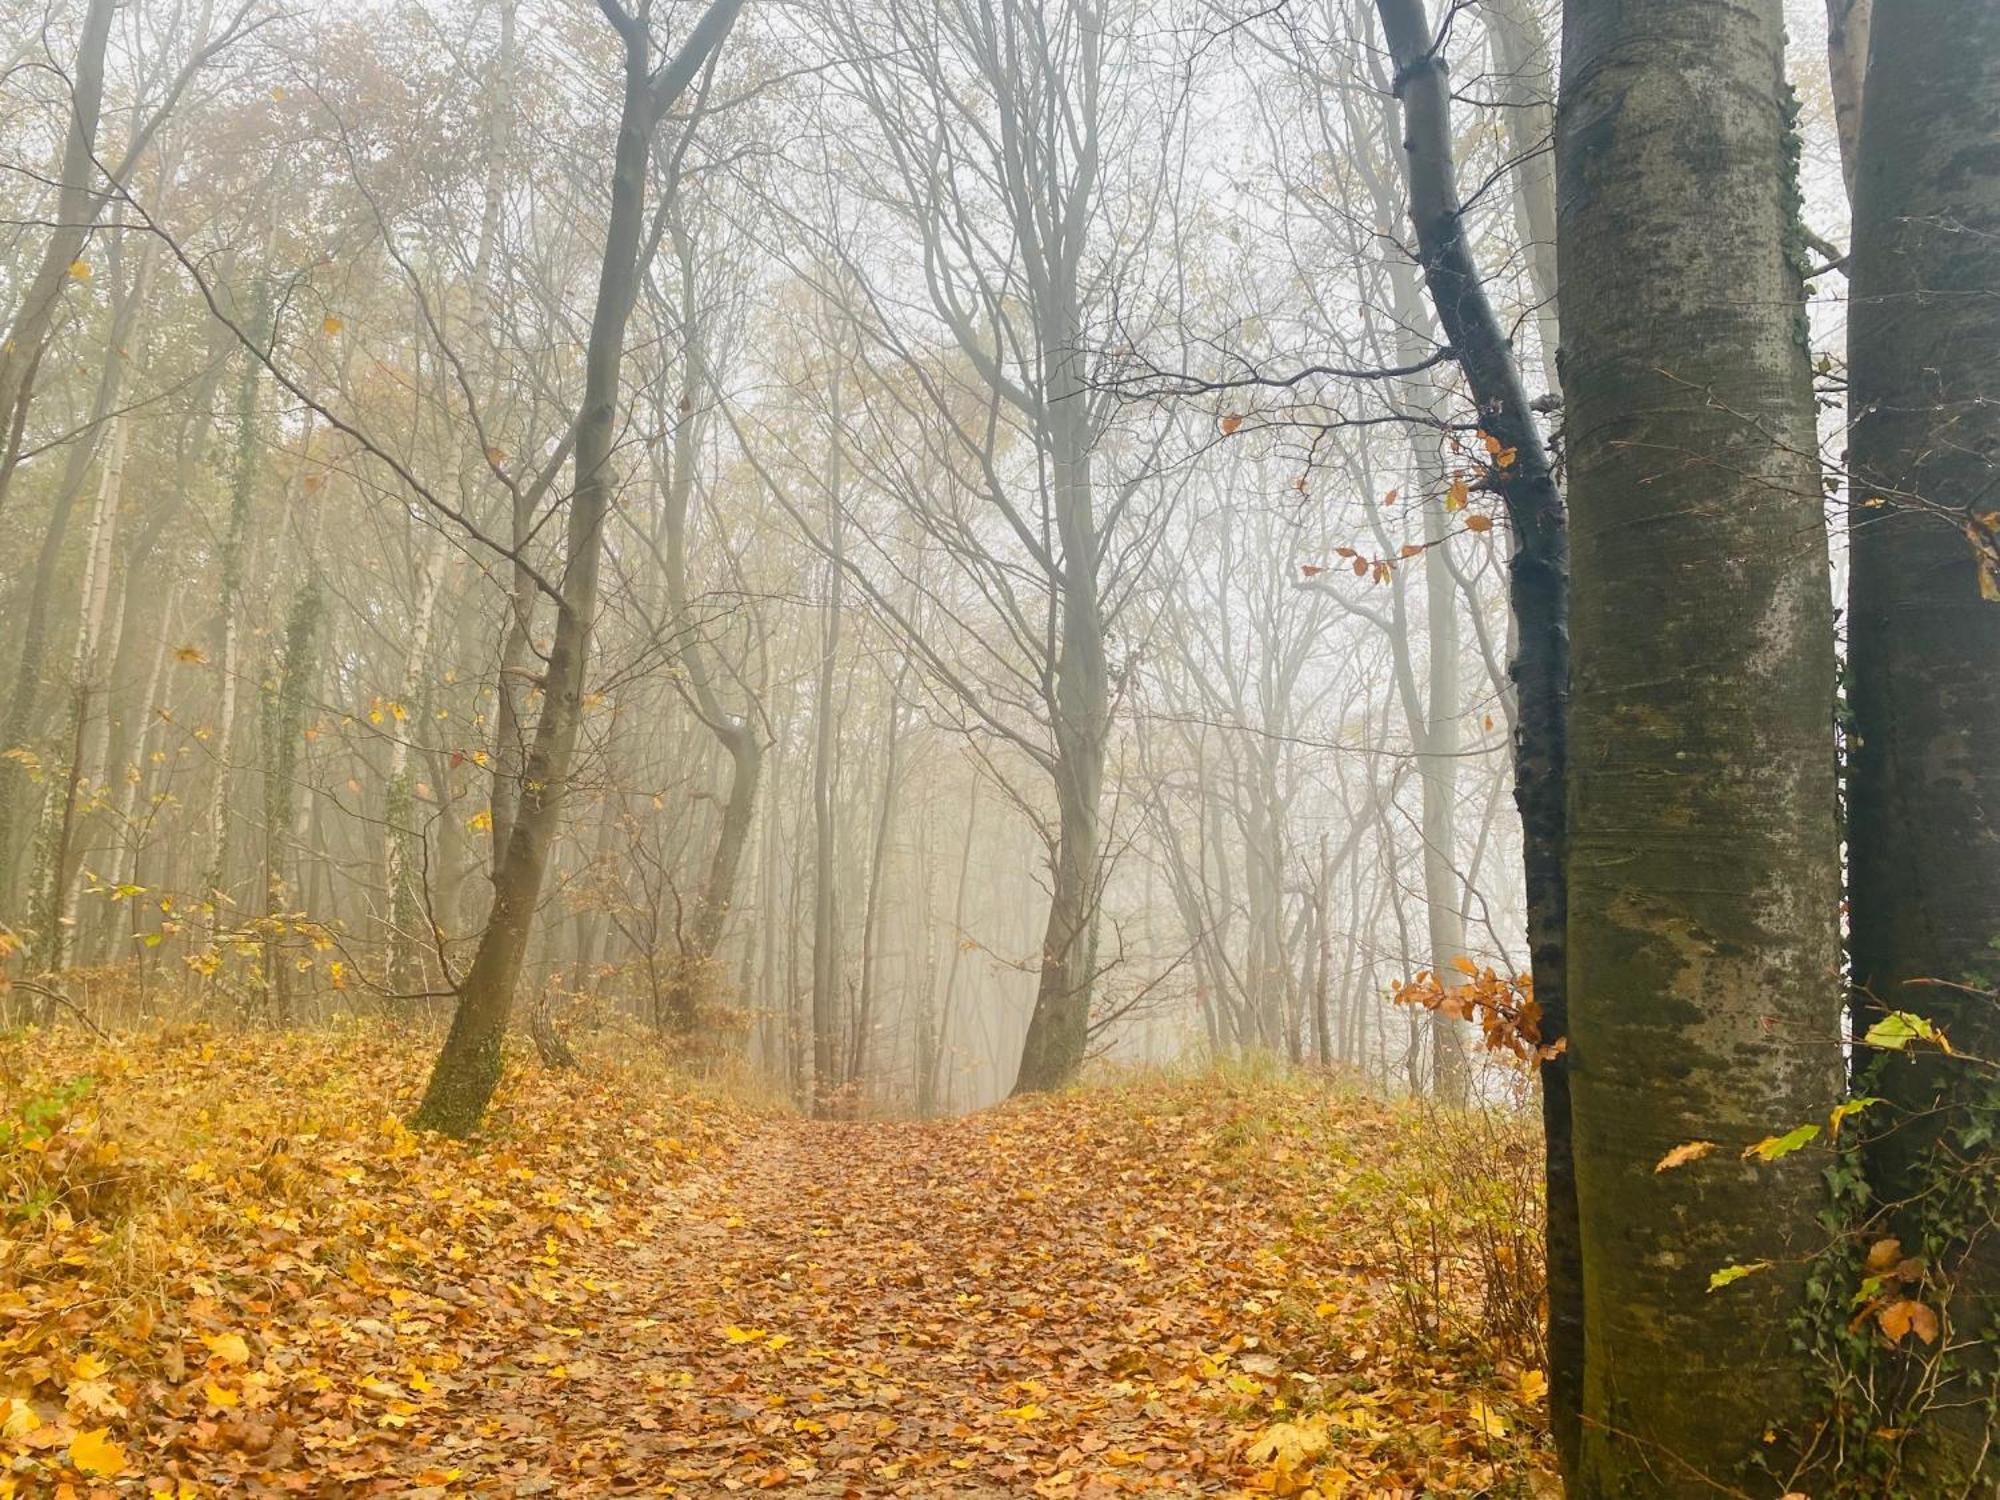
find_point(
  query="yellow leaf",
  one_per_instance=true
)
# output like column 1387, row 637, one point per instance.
column 94, row 1453
column 1487, row 1420
column 192, row 655
column 17, row 1417
column 79, row 270
column 278, row 92
column 1028, row 1412
column 228, row 1347
column 1285, row 1446
column 219, row 1395
column 1456, row 497
column 87, row 1367
column 737, row 1335
column 1532, row 1384
column 330, row 324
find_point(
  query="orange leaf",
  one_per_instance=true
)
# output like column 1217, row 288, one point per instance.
column 1680, row 1156
column 1907, row 1315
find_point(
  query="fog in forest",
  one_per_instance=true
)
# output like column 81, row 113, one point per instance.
column 1000, row 747
column 915, row 518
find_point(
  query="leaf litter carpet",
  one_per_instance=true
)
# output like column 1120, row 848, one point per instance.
column 1168, row 1286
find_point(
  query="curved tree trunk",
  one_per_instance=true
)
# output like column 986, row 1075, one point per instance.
column 1538, row 599
column 1703, row 876
column 468, row 1067
column 77, row 207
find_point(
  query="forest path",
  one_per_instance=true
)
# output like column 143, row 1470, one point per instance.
column 1188, row 1285
column 1002, row 1304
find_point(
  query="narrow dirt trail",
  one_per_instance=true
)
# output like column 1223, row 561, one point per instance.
column 902, row 1308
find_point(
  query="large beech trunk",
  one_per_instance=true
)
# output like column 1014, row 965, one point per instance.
column 1924, row 645
column 1703, row 875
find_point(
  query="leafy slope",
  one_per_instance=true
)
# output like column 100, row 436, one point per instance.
column 230, row 1268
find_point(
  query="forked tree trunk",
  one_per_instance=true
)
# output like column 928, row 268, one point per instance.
column 77, row 205
column 1704, row 885
column 738, row 734
column 1059, row 1028
column 468, row 1066
column 1924, row 645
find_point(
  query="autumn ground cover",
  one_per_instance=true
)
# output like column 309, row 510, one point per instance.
column 227, row 1267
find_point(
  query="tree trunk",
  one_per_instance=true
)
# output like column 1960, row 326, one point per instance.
column 286, row 704
column 864, row 1005
column 77, row 207
column 1923, row 644
column 213, row 878
column 23, row 718
column 1059, row 1028
column 1527, row 90
column 1848, row 23
column 826, row 910
column 1538, row 597
column 1704, row 947
column 737, row 734
column 468, row 1066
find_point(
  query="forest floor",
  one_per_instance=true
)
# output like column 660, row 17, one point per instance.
column 226, row 1267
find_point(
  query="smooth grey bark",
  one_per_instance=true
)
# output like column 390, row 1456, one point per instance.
column 1527, row 93
column 1703, row 877
column 1848, row 24
column 1924, row 665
